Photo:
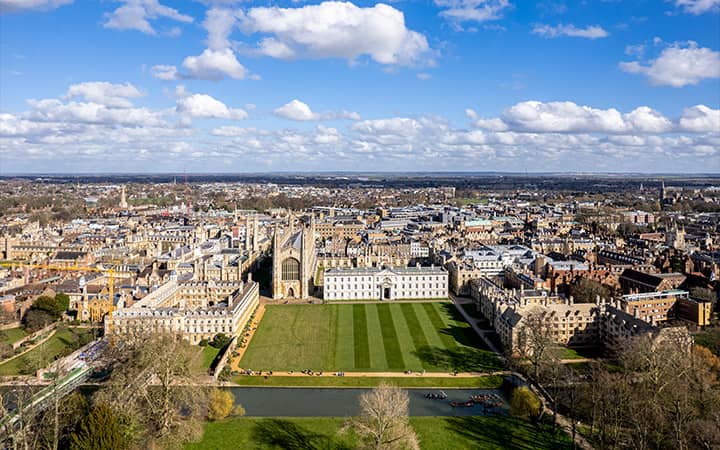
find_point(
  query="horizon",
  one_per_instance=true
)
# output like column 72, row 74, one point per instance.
column 429, row 174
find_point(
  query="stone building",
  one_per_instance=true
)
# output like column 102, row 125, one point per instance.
column 194, row 310
column 387, row 283
column 294, row 260
column 602, row 323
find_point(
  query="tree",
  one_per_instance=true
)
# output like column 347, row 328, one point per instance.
column 383, row 420
column 48, row 305
column 706, row 357
column 62, row 301
column 220, row 404
column 660, row 396
column 587, row 291
column 6, row 350
column 703, row 294
column 535, row 337
column 524, row 403
column 151, row 383
column 102, row 429
column 36, row 319
column 221, row 340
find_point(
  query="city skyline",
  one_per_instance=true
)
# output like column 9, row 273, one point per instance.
column 142, row 86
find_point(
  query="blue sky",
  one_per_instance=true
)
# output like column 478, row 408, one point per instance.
column 226, row 86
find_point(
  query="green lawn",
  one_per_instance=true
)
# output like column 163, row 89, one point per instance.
column 367, row 337
column 562, row 352
column 12, row 335
column 434, row 433
column 204, row 360
column 62, row 343
column 487, row 382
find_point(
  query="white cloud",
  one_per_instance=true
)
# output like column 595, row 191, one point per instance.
column 491, row 124
column 700, row 119
column 472, row 10
column 424, row 76
column 326, row 135
column 219, row 24
column 29, row 5
column 136, row 15
column 635, row 50
column 205, row 106
column 698, row 7
column 646, row 120
column 590, row 32
column 217, row 61
column 393, row 131
column 562, row 117
column 275, row 49
column 214, row 65
column 102, row 92
column 568, row 117
column 299, row 111
column 337, row 30
column 165, row 72
column 54, row 110
column 296, row 110
column 678, row 65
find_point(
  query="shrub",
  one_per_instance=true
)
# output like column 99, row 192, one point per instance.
column 221, row 404
column 525, row 403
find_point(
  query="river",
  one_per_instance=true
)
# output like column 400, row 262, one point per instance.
column 341, row 402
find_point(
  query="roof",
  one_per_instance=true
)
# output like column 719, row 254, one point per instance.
column 641, row 277
column 340, row 271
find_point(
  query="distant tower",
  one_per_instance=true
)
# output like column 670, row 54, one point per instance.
column 641, row 187
column 187, row 196
column 123, row 200
column 662, row 191
column 675, row 237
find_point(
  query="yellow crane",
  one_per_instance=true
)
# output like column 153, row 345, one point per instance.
column 110, row 274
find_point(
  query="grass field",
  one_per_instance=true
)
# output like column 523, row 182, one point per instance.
column 367, row 337
column 12, row 335
column 204, row 359
column 434, row 433
column 62, row 343
column 574, row 353
column 487, row 382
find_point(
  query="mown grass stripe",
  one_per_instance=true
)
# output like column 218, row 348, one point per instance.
column 360, row 334
column 393, row 354
column 416, row 328
column 332, row 342
column 441, row 327
column 345, row 348
column 431, row 333
column 409, row 352
column 375, row 339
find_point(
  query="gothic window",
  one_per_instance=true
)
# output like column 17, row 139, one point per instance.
column 290, row 269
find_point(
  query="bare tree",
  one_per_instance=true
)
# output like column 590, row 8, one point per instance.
column 152, row 384
column 21, row 435
column 535, row 338
column 383, row 420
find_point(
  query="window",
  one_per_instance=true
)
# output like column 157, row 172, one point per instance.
column 290, row 269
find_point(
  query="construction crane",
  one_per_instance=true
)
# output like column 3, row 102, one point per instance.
column 110, row 273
